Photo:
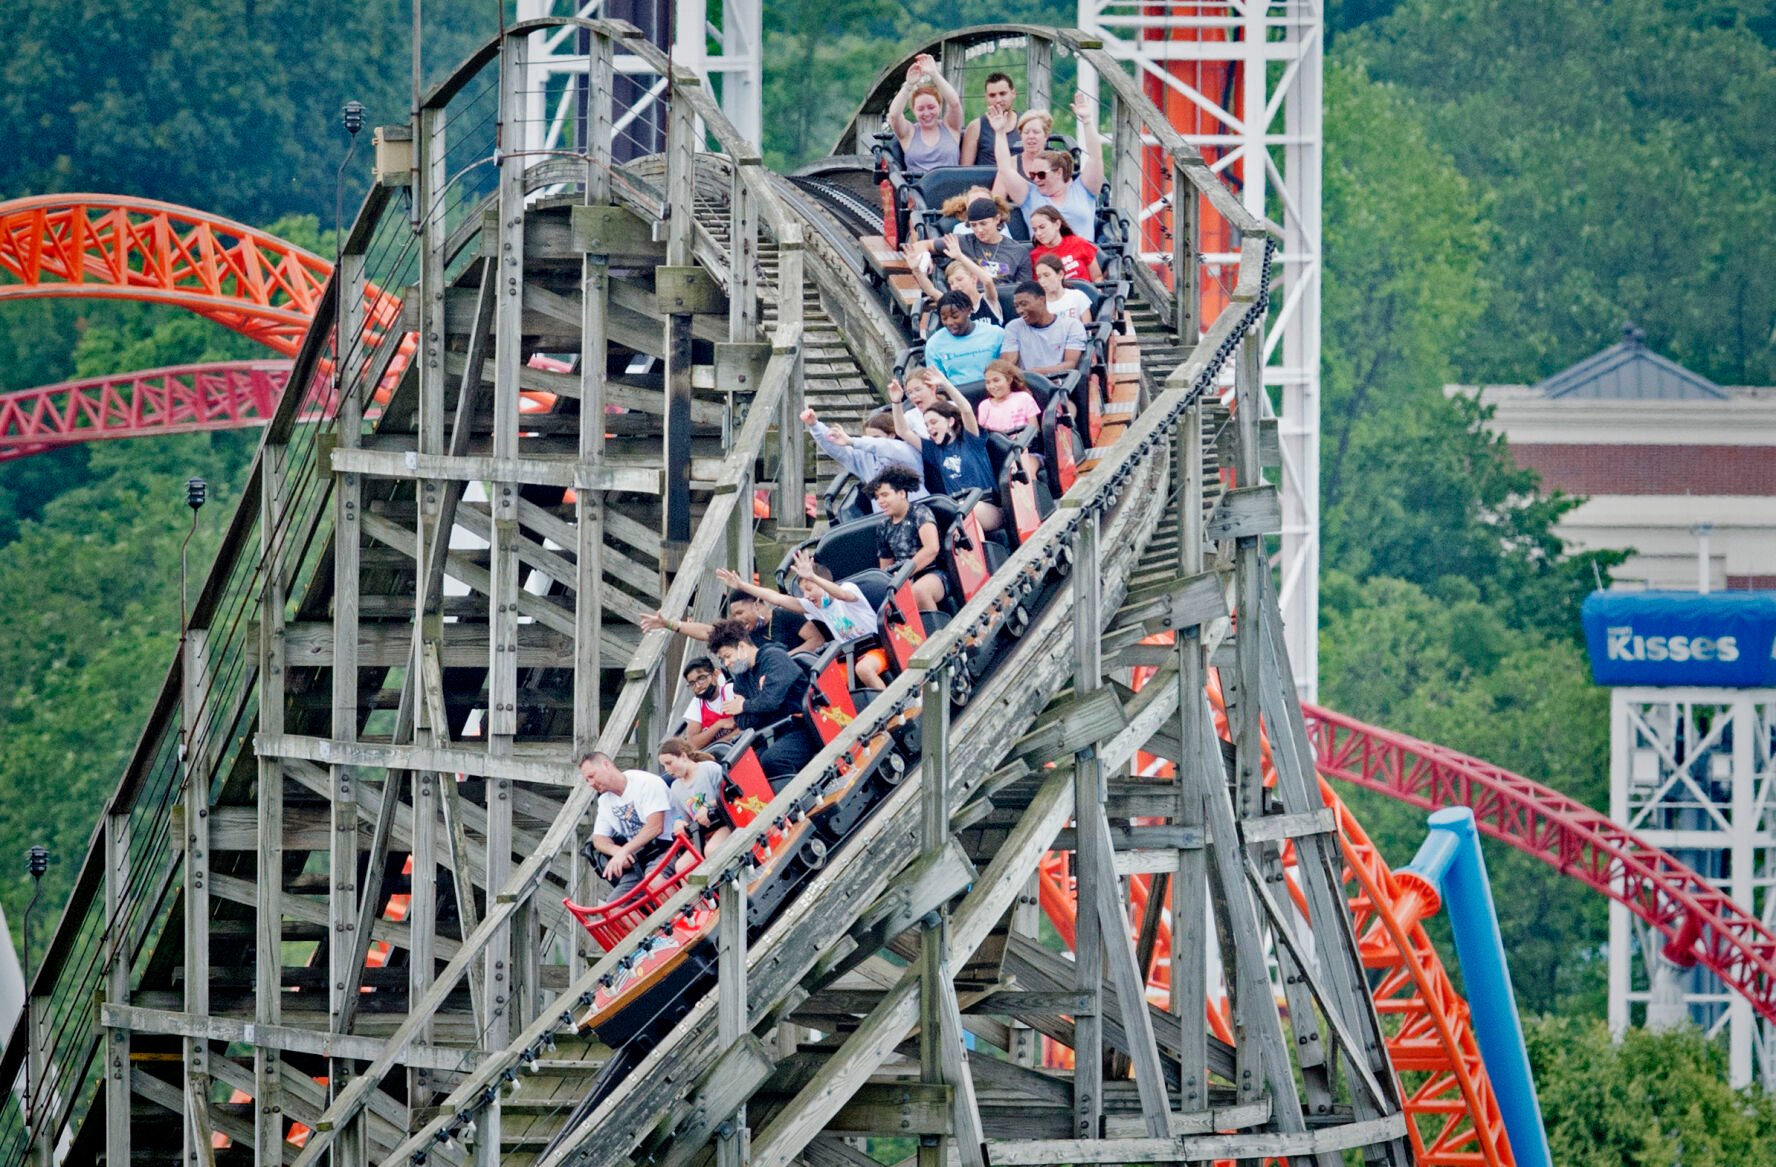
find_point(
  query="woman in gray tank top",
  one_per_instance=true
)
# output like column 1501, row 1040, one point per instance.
column 934, row 137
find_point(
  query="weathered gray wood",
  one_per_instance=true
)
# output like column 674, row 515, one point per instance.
column 285, row 1037
column 733, row 1142
column 630, row 476
column 542, row 766
column 1089, row 867
column 195, row 828
column 898, row 1010
column 745, row 1067
column 1200, row 1148
column 1130, row 981
column 1247, row 512
column 170, row 1098
column 1276, row 828
column 117, row 986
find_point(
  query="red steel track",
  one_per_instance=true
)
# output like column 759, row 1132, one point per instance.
column 225, row 395
column 82, row 245
column 1701, row 924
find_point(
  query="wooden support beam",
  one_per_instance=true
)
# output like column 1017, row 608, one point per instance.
column 898, row 1011
column 544, row 765
column 631, row 477
column 294, row 1039
column 1254, row 1146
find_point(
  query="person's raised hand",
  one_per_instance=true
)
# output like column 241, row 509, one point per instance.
column 728, row 579
column 1002, row 121
column 952, row 247
column 809, row 417
column 896, row 391
column 837, row 435
column 653, row 621
column 1084, row 109
column 802, row 563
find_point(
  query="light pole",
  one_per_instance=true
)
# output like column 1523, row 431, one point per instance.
column 195, row 490
column 36, row 862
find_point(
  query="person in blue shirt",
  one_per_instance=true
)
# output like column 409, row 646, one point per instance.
column 963, row 348
column 955, row 455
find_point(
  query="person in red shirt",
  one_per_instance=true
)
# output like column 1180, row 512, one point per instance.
column 1051, row 235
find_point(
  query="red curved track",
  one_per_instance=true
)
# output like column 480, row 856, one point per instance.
column 1701, row 925
column 226, row 395
column 85, row 244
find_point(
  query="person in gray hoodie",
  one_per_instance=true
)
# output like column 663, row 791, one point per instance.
column 868, row 454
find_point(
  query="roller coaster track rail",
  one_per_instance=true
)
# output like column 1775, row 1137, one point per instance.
column 473, row 1011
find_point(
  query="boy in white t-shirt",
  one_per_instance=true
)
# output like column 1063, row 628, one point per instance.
column 705, row 723
column 629, row 830
column 840, row 607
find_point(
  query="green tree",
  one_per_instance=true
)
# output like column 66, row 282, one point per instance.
column 1454, row 672
column 1624, row 152
column 1651, row 1100
column 1413, row 486
column 88, row 630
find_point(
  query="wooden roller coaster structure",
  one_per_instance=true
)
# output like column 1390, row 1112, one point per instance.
column 351, row 754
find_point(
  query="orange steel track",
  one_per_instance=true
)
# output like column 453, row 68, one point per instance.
column 223, row 395
column 90, row 245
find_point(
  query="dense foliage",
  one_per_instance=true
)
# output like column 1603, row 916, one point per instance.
column 1506, row 182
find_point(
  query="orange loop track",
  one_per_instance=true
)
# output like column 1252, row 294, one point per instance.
column 92, row 245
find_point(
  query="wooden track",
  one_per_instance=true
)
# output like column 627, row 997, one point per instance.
column 341, row 939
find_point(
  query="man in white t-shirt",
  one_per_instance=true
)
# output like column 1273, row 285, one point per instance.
column 630, row 827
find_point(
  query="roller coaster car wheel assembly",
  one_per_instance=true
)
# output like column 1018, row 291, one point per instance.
column 1017, row 621
column 961, row 686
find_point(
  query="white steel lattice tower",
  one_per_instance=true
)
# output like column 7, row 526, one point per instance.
column 1242, row 81
column 722, row 41
column 1691, row 771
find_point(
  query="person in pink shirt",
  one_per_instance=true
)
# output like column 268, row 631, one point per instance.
column 1008, row 406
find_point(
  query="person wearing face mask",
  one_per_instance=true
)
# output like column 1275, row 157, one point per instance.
column 955, row 455
column 961, row 275
column 705, row 723
column 934, row 137
column 768, row 688
column 1047, row 179
column 840, row 607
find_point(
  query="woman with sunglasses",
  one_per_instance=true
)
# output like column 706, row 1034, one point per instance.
column 1047, row 180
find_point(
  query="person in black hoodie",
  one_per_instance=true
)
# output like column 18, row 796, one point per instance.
column 768, row 687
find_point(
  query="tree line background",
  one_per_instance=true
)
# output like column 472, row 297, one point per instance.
column 1506, row 182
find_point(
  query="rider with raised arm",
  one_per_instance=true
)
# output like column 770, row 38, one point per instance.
column 1047, row 180
column 934, row 137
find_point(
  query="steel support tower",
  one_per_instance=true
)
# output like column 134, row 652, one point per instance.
column 1691, row 770
column 1242, row 82
column 721, row 41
